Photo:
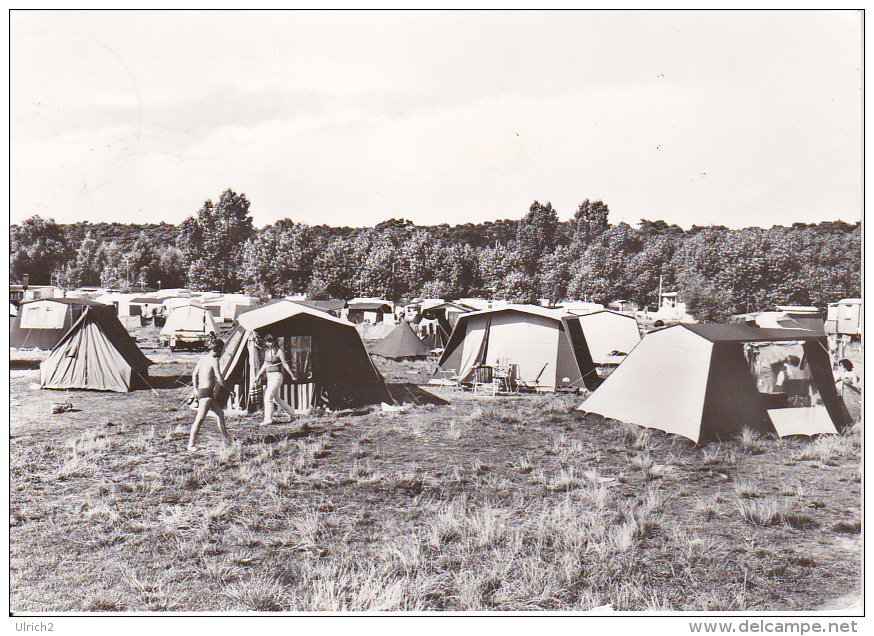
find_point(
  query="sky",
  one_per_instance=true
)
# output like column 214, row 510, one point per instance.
column 737, row 118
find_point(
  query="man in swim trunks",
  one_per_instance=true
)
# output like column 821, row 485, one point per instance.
column 209, row 381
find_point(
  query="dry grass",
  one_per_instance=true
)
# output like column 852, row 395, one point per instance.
column 479, row 505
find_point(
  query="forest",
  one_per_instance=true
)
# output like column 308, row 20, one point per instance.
column 717, row 271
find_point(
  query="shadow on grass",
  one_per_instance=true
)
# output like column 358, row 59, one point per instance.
column 168, row 381
column 284, row 436
column 409, row 392
column 23, row 365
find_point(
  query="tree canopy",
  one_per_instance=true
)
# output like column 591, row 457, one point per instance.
column 718, row 271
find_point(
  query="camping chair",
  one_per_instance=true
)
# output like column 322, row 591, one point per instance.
column 533, row 385
column 483, row 380
column 504, row 375
column 448, row 377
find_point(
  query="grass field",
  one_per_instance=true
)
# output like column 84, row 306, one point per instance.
column 454, row 503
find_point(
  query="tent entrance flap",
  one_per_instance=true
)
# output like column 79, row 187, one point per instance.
column 811, row 420
column 732, row 401
column 474, row 347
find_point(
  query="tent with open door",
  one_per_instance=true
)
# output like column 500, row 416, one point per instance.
column 188, row 325
column 330, row 365
column 446, row 314
column 96, row 353
column 698, row 381
column 40, row 324
column 533, row 342
column 401, row 343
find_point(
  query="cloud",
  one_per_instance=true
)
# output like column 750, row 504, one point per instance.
column 352, row 118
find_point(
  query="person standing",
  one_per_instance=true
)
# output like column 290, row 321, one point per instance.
column 207, row 377
column 847, row 377
column 274, row 363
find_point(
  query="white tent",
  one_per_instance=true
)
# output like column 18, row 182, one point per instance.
column 188, row 324
column 531, row 339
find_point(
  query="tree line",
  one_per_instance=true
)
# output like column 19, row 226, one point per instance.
column 718, row 271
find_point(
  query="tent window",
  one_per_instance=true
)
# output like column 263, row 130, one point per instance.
column 782, row 374
column 299, row 354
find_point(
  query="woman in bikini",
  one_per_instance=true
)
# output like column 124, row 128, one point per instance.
column 274, row 362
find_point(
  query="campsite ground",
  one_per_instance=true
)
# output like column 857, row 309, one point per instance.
column 456, row 502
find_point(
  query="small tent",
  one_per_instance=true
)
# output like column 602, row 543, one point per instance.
column 605, row 338
column 446, row 315
column 695, row 381
column 401, row 343
column 535, row 343
column 96, row 353
column 372, row 311
column 40, row 324
column 326, row 354
column 188, row 325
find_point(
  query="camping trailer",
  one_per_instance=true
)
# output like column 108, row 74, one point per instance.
column 331, row 366
column 696, row 381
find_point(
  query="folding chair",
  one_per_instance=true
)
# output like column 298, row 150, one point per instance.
column 533, row 385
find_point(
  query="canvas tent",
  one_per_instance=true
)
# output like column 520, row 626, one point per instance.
column 188, row 325
column 330, row 364
column 695, row 381
column 446, row 315
column 604, row 339
column 96, row 353
column 41, row 324
column 333, row 307
column 534, row 342
column 768, row 320
column 401, row 343
column 372, row 311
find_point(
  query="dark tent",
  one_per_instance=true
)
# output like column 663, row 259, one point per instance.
column 330, row 364
column 360, row 311
column 41, row 324
column 333, row 307
column 696, row 381
column 96, row 353
column 402, row 342
column 446, row 314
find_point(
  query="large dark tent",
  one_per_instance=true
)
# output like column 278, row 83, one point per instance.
column 330, row 364
column 96, row 353
column 696, row 381
column 40, row 324
column 401, row 343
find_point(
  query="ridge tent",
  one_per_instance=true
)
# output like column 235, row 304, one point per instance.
column 694, row 380
column 402, row 342
column 534, row 342
column 605, row 339
column 95, row 353
column 41, row 324
column 188, row 325
column 330, row 364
